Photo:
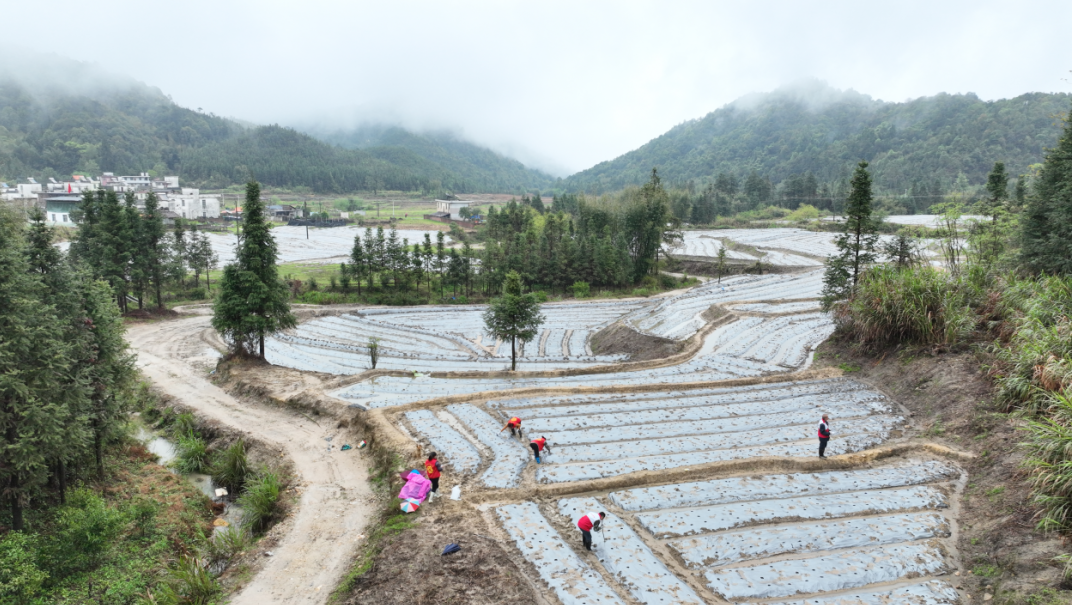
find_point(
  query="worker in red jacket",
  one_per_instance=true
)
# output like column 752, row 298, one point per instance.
column 538, row 445
column 433, row 470
column 514, row 424
column 824, row 435
column 587, row 524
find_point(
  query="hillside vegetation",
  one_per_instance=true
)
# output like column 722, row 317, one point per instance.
column 94, row 122
column 482, row 168
column 926, row 146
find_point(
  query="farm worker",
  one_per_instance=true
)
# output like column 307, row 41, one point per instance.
column 514, row 424
column 587, row 524
column 432, row 469
column 538, row 446
column 824, row 435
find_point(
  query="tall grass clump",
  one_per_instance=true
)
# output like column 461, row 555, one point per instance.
column 259, row 501
column 230, row 467
column 891, row 305
column 1049, row 445
column 1034, row 350
column 191, row 454
column 225, row 545
column 189, row 583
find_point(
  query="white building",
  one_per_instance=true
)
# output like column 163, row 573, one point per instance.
column 451, row 207
column 28, row 190
column 190, row 204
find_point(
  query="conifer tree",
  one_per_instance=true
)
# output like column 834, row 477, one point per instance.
column 1046, row 227
column 357, row 262
column 152, row 248
column 59, row 291
column 856, row 244
column 252, row 301
column 34, row 359
column 513, row 315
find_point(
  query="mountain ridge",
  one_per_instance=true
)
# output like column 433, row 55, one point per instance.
column 826, row 131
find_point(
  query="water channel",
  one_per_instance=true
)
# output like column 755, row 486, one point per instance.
column 166, row 451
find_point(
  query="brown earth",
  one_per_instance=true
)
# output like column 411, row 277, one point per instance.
column 619, row 339
column 411, row 570
column 950, row 402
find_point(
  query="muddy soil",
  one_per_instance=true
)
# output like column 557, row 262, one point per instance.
column 410, row 570
column 314, row 546
column 619, row 339
column 950, row 400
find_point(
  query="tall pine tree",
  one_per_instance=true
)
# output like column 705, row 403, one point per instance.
column 856, row 244
column 1046, row 227
column 252, row 301
column 34, row 366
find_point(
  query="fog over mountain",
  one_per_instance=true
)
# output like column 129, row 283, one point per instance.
column 560, row 86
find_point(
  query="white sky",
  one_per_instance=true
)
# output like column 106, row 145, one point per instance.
column 559, row 85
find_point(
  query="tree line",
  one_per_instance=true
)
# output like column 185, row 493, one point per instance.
column 607, row 243
column 131, row 249
column 66, row 376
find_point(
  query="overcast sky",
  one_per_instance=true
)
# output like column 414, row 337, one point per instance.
column 559, row 85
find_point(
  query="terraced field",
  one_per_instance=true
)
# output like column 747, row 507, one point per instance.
column 443, row 339
column 661, row 448
column 874, row 535
column 708, row 243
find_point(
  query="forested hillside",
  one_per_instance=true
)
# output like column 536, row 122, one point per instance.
column 920, row 146
column 59, row 117
column 481, row 168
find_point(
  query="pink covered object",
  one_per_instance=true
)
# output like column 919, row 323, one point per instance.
column 416, row 487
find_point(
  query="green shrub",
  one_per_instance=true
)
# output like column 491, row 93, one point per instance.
column 581, row 289
column 667, row 282
column 230, row 467
column 916, row 305
column 20, row 578
column 805, row 212
column 143, row 514
column 227, row 544
column 197, row 294
column 312, row 284
column 184, row 424
column 1037, row 359
column 323, row 298
column 81, row 532
column 189, row 583
column 191, row 455
column 259, row 502
column 1049, row 444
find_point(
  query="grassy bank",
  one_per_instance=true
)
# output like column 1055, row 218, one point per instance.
column 112, row 542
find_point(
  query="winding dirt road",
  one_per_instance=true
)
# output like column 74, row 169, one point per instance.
column 324, row 532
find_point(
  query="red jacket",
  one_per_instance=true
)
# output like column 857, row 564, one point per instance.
column 824, row 430
column 432, row 468
column 586, row 523
column 515, row 421
column 540, row 443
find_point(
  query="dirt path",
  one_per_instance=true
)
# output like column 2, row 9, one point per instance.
column 323, row 533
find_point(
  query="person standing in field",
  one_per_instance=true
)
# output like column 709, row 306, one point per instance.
column 538, row 445
column 514, row 424
column 824, row 435
column 587, row 524
column 432, row 468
